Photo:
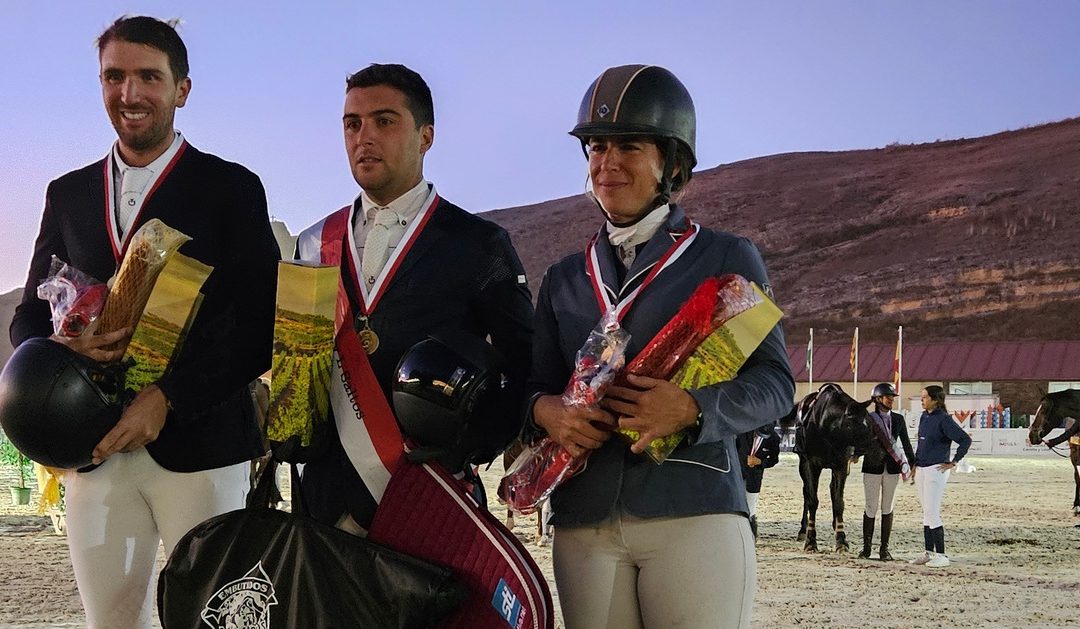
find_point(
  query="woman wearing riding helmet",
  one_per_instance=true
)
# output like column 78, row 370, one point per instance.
column 639, row 544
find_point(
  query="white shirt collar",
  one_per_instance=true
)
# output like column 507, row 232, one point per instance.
column 407, row 205
column 155, row 166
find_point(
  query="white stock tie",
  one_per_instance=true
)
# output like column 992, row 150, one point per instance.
column 132, row 183
column 386, row 225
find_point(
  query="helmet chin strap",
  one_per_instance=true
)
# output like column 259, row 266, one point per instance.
column 663, row 187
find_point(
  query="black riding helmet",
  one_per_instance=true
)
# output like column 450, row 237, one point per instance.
column 883, row 389
column 448, row 395
column 641, row 100
column 56, row 405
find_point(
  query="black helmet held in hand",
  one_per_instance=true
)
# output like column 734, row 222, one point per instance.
column 56, row 405
column 450, row 397
column 883, row 389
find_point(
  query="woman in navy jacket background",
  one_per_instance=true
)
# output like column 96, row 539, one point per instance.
column 937, row 432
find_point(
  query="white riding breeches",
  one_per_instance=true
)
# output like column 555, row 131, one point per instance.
column 693, row 572
column 117, row 515
column 880, row 492
column 930, row 484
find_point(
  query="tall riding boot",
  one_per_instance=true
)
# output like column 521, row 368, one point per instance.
column 867, row 535
column 886, row 530
column 753, row 526
column 939, row 539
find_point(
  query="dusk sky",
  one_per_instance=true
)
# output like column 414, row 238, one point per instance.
column 507, row 77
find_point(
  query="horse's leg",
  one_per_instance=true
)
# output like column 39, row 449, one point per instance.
column 836, row 492
column 810, row 490
column 1074, row 456
column 511, row 453
column 804, row 475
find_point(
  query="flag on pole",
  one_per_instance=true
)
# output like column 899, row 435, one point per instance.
column 853, row 360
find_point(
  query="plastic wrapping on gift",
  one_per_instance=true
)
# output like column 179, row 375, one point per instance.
column 147, row 253
column 541, row 468
column 535, row 473
column 597, row 361
column 75, row 299
column 707, row 341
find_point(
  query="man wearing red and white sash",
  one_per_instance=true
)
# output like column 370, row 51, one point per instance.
column 412, row 265
column 179, row 454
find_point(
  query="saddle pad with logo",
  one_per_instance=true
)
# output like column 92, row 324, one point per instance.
column 262, row 569
column 425, row 513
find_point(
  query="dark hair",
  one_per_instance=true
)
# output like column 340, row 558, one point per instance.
column 150, row 31
column 412, row 85
column 937, row 394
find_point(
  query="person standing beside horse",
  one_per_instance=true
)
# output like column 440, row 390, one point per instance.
column 882, row 467
column 639, row 544
column 758, row 450
column 937, row 432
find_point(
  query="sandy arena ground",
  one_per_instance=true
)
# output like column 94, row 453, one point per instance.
column 1009, row 533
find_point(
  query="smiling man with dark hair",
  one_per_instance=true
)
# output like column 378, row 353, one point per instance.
column 179, row 453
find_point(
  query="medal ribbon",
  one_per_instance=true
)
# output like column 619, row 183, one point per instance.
column 758, row 440
column 600, row 288
column 119, row 245
column 368, row 300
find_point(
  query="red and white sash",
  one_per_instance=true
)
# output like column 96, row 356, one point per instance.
column 366, row 425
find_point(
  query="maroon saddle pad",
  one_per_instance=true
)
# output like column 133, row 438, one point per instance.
column 426, row 513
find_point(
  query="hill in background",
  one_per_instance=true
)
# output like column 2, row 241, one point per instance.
column 971, row 239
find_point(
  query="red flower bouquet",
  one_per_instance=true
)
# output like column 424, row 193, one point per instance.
column 706, row 342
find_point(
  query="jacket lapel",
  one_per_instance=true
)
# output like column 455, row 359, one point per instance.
column 433, row 232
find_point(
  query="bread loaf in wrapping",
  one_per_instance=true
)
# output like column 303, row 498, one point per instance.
column 150, row 248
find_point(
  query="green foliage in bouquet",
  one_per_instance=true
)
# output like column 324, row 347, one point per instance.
column 717, row 359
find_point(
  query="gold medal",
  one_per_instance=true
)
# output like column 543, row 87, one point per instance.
column 369, row 340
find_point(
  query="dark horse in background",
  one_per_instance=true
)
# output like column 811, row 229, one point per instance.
column 1052, row 413
column 831, row 430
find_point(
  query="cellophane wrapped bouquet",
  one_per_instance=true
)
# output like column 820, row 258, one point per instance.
column 543, row 466
column 707, row 341
column 75, row 299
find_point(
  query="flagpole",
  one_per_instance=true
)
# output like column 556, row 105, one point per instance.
column 810, row 362
column 855, row 365
column 899, row 361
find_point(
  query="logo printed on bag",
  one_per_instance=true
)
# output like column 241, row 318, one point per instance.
column 243, row 603
column 508, row 605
